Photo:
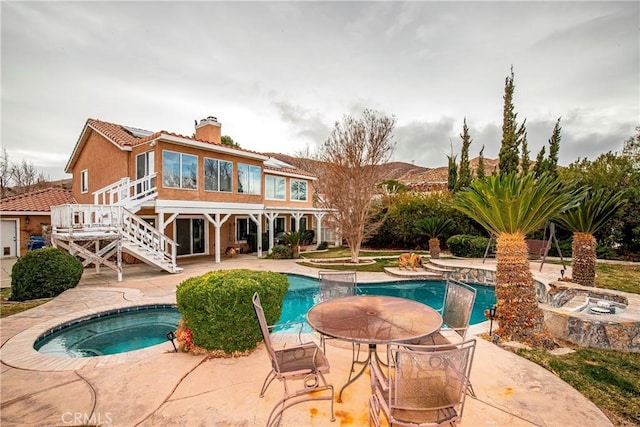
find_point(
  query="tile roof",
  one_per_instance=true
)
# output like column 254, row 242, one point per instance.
column 122, row 136
column 290, row 171
column 37, row 201
column 128, row 136
column 118, row 134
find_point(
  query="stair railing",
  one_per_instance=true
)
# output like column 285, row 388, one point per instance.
column 75, row 219
column 141, row 232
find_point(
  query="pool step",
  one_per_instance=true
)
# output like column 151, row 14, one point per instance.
column 410, row 274
column 434, row 268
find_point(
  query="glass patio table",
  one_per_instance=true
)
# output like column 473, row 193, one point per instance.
column 373, row 320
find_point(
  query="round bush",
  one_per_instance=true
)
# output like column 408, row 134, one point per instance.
column 218, row 309
column 44, row 273
column 281, row 252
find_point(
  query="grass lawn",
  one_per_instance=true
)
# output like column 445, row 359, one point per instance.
column 7, row 308
column 608, row 378
column 382, row 259
column 621, row 277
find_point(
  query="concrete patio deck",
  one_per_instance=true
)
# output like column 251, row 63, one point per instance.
column 157, row 387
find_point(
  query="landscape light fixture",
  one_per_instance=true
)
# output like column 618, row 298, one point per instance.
column 171, row 336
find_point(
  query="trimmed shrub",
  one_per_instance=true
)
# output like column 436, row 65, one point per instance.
column 217, row 307
column 467, row 246
column 44, row 273
column 281, row 252
column 322, row 246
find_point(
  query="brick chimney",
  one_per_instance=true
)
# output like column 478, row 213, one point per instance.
column 208, row 130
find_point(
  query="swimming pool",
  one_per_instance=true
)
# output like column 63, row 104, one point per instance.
column 111, row 332
column 303, row 294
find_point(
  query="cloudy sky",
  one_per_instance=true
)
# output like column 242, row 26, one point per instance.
column 277, row 75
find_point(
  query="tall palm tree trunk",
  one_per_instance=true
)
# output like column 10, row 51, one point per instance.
column 519, row 317
column 584, row 259
column 434, row 248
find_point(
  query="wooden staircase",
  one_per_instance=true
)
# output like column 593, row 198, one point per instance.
column 99, row 233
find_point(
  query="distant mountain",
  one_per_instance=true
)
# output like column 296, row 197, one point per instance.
column 417, row 178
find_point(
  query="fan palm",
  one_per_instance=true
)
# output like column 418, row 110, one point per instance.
column 433, row 228
column 510, row 207
column 584, row 220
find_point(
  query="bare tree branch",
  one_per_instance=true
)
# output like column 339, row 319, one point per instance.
column 5, row 173
column 348, row 181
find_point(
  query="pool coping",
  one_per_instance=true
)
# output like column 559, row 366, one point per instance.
column 18, row 351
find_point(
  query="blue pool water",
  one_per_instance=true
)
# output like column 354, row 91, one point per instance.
column 303, row 294
column 111, row 333
column 139, row 327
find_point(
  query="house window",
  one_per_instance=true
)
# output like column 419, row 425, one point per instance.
column 144, row 167
column 190, row 236
column 217, row 175
column 244, row 227
column 303, row 224
column 249, row 179
column 278, row 225
column 179, row 170
column 84, row 181
column 298, row 190
column 274, row 187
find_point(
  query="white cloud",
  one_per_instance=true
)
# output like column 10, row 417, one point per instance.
column 278, row 75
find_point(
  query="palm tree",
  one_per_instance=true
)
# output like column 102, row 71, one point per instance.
column 295, row 239
column 584, row 220
column 510, row 207
column 433, row 228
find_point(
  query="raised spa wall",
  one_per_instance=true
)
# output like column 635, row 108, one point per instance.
column 620, row 331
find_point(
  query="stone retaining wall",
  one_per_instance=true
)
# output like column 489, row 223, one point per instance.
column 619, row 332
column 616, row 332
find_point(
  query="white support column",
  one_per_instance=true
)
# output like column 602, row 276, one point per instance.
column 97, row 250
column 217, row 223
column 170, row 220
column 160, row 223
column 297, row 216
column 271, row 216
column 319, row 216
column 119, row 258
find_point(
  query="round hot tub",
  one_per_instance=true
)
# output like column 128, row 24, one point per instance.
column 110, row 332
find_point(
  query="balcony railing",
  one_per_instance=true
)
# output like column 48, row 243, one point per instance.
column 125, row 192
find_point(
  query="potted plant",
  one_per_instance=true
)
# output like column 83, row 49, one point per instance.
column 295, row 239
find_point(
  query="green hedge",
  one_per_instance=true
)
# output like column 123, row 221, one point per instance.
column 467, row 246
column 280, row 252
column 218, row 308
column 44, row 273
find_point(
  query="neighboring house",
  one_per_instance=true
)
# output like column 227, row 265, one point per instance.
column 160, row 195
column 25, row 215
